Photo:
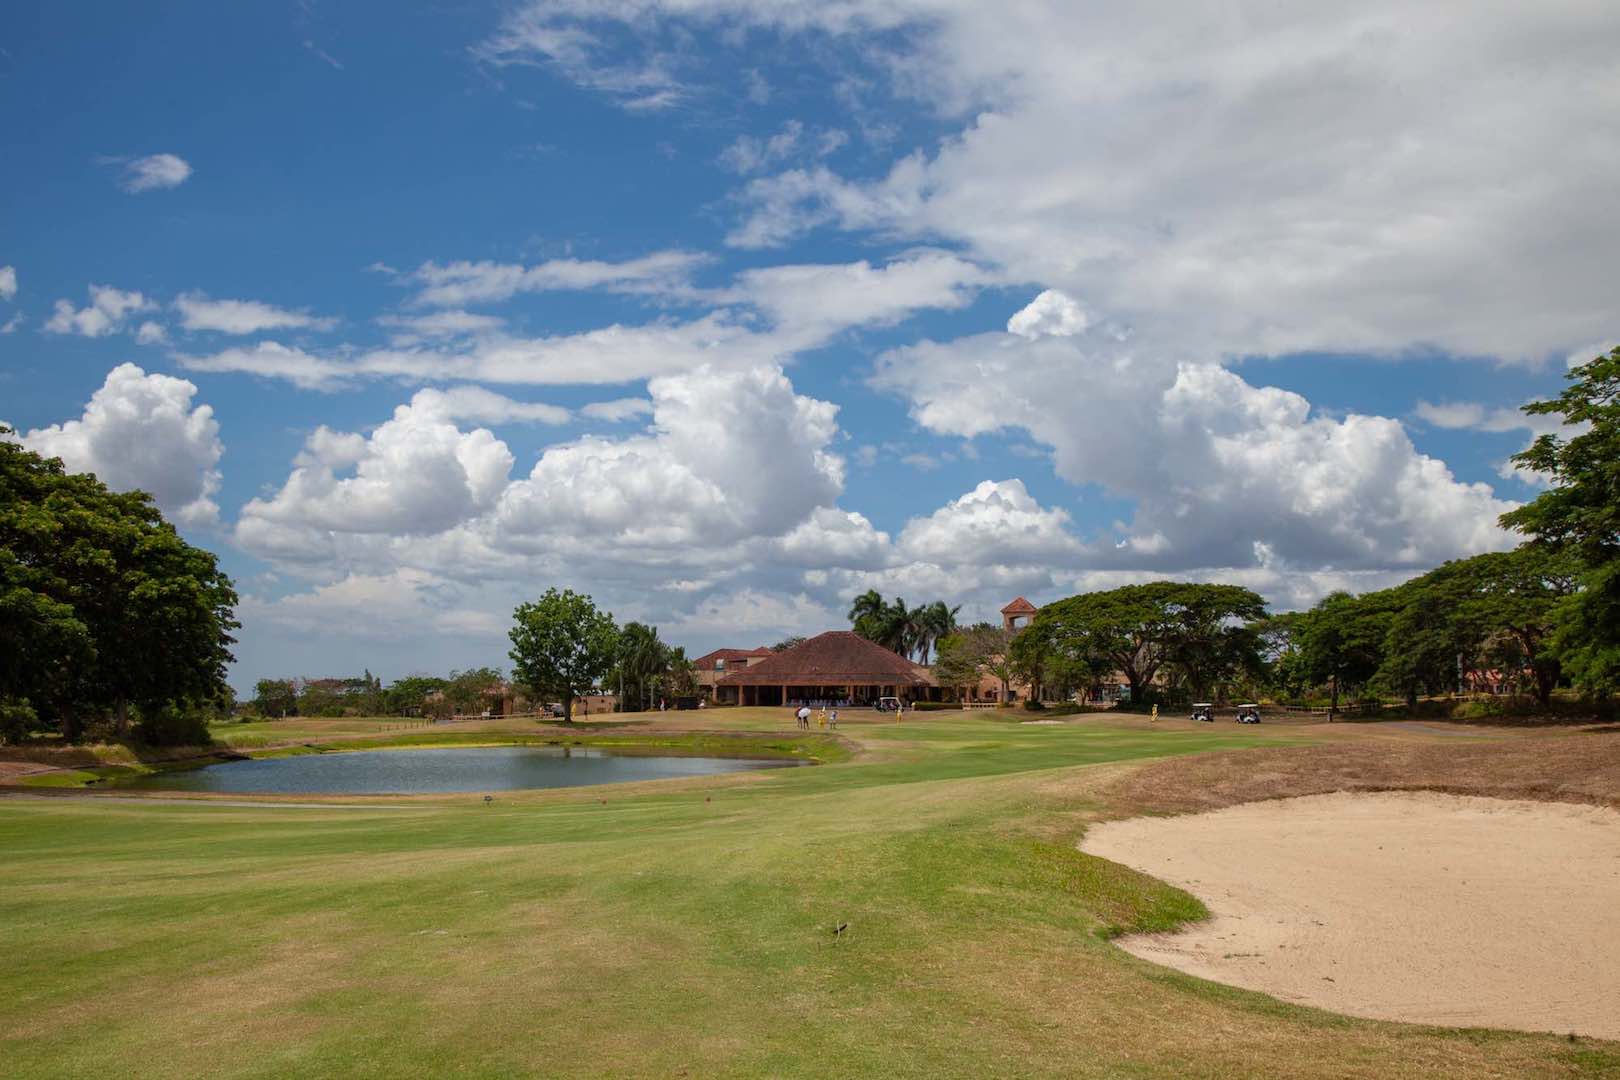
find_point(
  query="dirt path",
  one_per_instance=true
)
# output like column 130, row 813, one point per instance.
column 1411, row 906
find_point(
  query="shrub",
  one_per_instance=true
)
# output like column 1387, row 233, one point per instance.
column 934, row 706
column 17, row 719
column 1034, row 705
column 173, row 725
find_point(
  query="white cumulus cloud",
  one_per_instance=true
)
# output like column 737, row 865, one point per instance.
column 1213, row 463
column 142, row 431
column 1051, row 314
column 107, row 312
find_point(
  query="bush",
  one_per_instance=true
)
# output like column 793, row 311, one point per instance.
column 173, row 725
column 934, row 706
column 17, row 719
column 1034, row 705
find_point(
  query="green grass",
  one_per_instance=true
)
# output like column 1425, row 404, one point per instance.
column 677, row 929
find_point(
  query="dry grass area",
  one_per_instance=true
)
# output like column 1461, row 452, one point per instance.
column 1582, row 767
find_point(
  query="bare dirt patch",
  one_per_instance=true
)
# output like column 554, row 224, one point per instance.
column 1412, row 906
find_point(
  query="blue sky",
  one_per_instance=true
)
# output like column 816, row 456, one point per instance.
column 725, row 312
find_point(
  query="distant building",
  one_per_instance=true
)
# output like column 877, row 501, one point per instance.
column 710, row 668
column 839, row 665
column 1018, row 614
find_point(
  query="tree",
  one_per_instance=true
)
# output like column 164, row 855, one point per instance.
column 468, row 691
column 933, row 622
column 410, row 693
column 868, row 613
column 561, row 646
column 1579, row 516
column 640, row 658
column 1342, row 640
column 1520, row 594
column 788, row 643
column 967, row 655
column 960, row 664
column 106, row 609
column 1213, row 636
column 680, row 676
column 1279, row 653
column 994, row 643
column 1138, row 629
column 1428, row 631
column 275, row 697
column 906, row 630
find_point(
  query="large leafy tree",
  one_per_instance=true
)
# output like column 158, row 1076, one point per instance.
column 1138, row 629
column 1213, row 635
column 275, row 697
column 1496, row 610
column 1342, row 640
column 467, row 691
column 562, row 645
column 1518, row 595
column 1579, row 515
column 1427, row 631
column 103, row 607
column 967, row 655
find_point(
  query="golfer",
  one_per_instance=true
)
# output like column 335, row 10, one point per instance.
column 804, row 717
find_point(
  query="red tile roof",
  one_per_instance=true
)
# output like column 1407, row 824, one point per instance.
column 1020, row 606
column 836, row 658
column 706, row 661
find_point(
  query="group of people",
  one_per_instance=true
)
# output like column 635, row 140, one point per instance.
column 824, row 717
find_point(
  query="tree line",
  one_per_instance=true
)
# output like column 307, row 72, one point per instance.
column 110, row 623
column 365, row 695
column 562, row 629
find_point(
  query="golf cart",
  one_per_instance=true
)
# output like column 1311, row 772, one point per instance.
column 888, row 704
column 1248, row 714
column 1203, row 710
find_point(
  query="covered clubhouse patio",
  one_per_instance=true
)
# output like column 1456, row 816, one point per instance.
column 838, row 666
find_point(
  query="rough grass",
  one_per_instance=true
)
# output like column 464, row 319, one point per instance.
column 667, row 931
column 1581, row 768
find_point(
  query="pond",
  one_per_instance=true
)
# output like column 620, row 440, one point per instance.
column 442, row 770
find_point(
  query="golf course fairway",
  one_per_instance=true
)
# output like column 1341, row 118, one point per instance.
column 674, row 928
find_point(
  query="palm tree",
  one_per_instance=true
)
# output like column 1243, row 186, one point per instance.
column 642, row 657
column 867, row 613
column 900, row 627
column 933, row 622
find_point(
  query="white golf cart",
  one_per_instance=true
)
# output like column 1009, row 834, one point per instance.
column 1248, row 714
column 888, row 704
column 1204, row 710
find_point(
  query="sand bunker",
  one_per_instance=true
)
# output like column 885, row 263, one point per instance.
column 1413, row 906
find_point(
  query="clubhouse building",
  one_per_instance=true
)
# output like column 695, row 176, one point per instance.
column 839, row 665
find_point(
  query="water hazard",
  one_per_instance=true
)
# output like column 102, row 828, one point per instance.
column 442, row 770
